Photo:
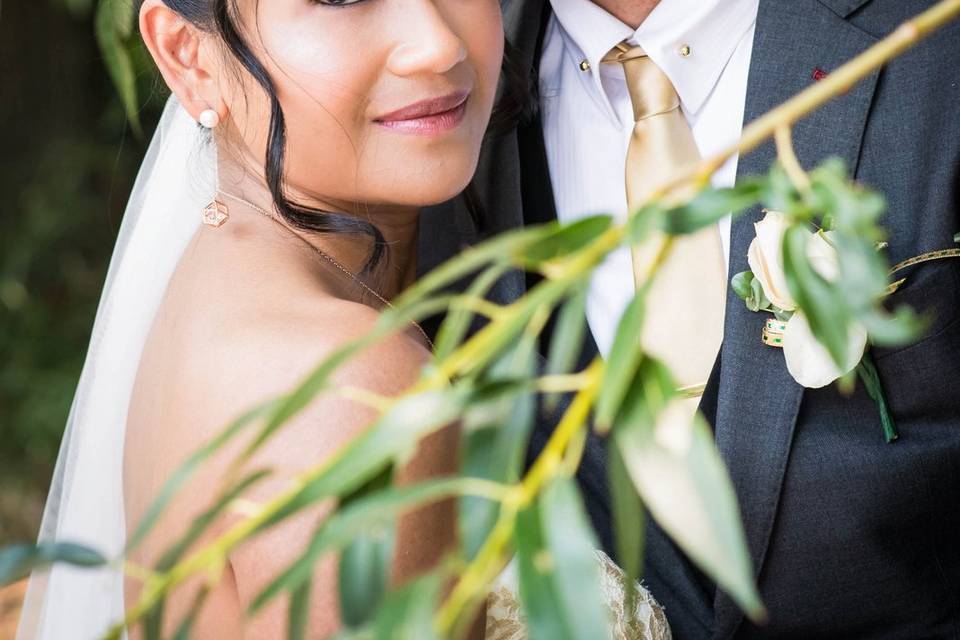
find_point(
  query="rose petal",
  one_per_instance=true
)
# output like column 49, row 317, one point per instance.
column 809, row 362
column 823, row 256
column 765, row 258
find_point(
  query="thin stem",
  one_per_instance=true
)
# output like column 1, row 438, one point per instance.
column 565, row 383
column 245, row 507
column 138, row 572
column 663, row 251
column 783, row 137
column 575, row 418
column 365, row 397
column 476, row 304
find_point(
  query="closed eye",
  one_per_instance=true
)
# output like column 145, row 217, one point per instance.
column 337, row 3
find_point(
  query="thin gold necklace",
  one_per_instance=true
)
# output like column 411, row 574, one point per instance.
column 328, row 258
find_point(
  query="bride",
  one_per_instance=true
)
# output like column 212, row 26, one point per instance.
column 325, row 126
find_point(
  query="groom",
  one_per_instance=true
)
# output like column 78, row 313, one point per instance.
column 850, row 537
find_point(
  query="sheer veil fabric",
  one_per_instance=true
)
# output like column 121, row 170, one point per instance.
column 85, row 504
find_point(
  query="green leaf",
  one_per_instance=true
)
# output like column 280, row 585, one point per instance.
column 863, row 271
column 901, row 327
column 567, row 338
column 780, row 194
column 623, row 361
column 758, row 298
column 185, row 630
column 750, row 290
column 18, row 561
column 122, row 17
column 649, row 391
column 565, row 239
column 408, row 612
column 481, row 458
column 299, row 614
column 153, row 622
column 576, row 574
column 710, row 205
column 110, row 37
column 848, row 207
column 678, row 472
column 645, row 222
column 742, row 285
column 628, row 520
column 365, row 561
column 541, row 603
column 364, row 575
column 495, row 437
column 821, row 302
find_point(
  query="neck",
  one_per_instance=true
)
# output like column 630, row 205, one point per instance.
column 630, row 12
column 398, row 225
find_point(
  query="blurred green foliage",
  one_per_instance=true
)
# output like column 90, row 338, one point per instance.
column 67, row 161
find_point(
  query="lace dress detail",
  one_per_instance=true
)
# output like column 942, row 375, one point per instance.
column 505, row 618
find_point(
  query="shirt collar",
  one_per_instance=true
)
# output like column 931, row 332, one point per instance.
column 712, row 29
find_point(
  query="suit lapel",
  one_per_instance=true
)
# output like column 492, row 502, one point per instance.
column 758, row 401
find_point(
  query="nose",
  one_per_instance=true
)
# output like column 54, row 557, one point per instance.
column 428, row 43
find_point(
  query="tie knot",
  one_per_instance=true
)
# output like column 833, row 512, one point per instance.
column 651, row 91
column 622, row 52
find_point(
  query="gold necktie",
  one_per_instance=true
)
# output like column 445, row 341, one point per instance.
column 684, row 322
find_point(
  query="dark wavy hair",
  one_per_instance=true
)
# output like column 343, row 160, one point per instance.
column 218, row 16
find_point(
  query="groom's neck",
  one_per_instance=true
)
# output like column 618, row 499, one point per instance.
column 630, row 12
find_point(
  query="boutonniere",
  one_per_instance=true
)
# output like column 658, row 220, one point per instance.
column 764, row 289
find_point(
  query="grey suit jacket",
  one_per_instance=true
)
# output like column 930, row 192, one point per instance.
column 850, row 537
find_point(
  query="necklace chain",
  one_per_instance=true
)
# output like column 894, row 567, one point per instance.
column 327, row 257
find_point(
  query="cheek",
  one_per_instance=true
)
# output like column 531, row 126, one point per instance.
column 323, row 87
column 484, row 42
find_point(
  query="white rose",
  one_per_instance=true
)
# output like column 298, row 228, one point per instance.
column 823, row 255
column 765, row 257
column 809, row 362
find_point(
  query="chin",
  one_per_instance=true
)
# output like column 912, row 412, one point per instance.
column 428, row 188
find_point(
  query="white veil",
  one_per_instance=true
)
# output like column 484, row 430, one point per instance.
column 85, row 504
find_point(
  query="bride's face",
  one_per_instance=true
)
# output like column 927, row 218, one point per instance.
column 386, row 101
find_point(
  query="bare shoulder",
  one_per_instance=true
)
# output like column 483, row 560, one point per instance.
column 286, row 345
column 270, row 351
column 208, row 367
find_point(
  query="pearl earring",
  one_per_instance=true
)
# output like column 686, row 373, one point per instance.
column 210, row 119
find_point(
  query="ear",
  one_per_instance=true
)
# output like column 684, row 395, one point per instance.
column 179, row 49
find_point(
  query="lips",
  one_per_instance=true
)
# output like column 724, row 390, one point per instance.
column 433, row 115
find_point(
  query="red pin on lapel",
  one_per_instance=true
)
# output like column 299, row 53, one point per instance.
column 819, row 74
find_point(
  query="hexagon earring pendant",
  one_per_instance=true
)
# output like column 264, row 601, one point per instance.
column 215, row 214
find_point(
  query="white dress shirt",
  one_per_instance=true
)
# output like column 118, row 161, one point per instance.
column 703, row 46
